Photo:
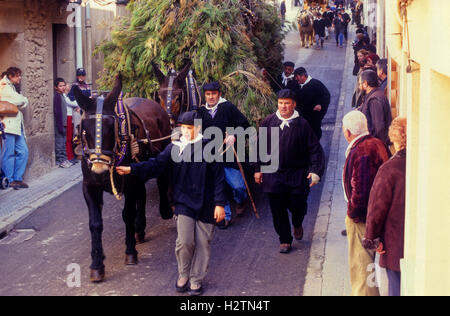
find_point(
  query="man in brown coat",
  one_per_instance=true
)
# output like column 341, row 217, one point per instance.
column 386, row 209
column 365, row 154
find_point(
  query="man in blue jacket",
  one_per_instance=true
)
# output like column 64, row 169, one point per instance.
column 199, row 198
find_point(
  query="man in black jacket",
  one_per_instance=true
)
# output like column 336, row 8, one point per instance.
column 376, row 106
column 319, row 30
column 286, row 76
column 198, row 196
column 301, row 159
column 221, row 113
column 313, row 99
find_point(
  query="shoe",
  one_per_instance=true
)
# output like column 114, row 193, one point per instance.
column 298, row 233
column 240, row 209
column 183, row 288
column 285, row 248
column 196, row 292
column 65, row 164
column 224, row 224
column 15, row 185
column 344, row 232
column 22, row 184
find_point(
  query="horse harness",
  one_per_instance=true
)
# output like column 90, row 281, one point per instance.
column 123, row 137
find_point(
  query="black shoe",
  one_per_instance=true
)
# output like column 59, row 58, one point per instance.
column 224, row 224
column 196, row 292
column 285, row 248
column 181, row 289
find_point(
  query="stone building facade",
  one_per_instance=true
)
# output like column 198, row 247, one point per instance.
column 35, row 36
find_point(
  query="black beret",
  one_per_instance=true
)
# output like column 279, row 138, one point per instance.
column 286, row 94
column 81, row 72
column 188, row 118
column 300, row 71
column 289, row 64
column 211, row 86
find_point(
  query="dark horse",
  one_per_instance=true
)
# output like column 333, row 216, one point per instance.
column 178, row 91
column 117, row 132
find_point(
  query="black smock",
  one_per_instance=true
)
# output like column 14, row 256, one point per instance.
column 300, row 154
column 198, row 187
column 313, row 93
column 227, row 115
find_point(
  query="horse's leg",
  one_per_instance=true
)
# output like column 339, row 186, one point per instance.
column 94, row 200
column 129, row 218
column 164, row 204
column 141, row 220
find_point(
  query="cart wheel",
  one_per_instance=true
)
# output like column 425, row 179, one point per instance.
column 4, row 184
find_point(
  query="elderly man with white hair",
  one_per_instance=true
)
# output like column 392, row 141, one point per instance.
column 364, row 155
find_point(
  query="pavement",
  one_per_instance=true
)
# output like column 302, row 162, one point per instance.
column 17, row 205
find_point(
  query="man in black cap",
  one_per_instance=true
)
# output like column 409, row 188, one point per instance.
column 313, row 99
column 221, row 113
column 81, row 83
column 199, row 198
column 285, row 77
column 301, row 160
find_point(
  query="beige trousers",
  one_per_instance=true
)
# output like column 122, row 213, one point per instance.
column 361, row 261
column 193, row 248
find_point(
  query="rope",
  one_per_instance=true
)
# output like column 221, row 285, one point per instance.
column 164, row 138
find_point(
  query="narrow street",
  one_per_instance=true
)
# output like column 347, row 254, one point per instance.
column 245, row 258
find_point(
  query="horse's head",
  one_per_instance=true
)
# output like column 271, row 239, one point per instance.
column 172, row 89
column 98, row 127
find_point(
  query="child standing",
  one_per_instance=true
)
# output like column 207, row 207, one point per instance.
column 60, row 113
column 199, row 198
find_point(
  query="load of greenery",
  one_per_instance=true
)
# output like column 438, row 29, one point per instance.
column 229, row 41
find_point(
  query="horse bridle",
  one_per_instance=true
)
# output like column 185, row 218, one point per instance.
column 98, row 150
column 170, row 91
column 122, row 134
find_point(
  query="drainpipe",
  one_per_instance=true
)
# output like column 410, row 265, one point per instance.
column 78, row 36
column 88, row 42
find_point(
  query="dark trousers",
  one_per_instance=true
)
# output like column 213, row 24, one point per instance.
column 280, row 203
column 394, row 282
column 60, row 146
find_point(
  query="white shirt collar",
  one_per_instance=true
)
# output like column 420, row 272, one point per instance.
column 286, row 79
column 353, row 142
column 306, row 82
column 214, row 108
column 285, row 122
column 183, row 143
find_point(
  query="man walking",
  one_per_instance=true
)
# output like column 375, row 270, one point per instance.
column 364, row 155
column 301, row 159
column 221, row 113
column 319, row 30
column 312, row 100
column 375, row 107
column 285, row 78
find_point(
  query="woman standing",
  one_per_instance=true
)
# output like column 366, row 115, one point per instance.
column 16, row 154
column 385, row 226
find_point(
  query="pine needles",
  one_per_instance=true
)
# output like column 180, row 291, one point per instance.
column 227, row 40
